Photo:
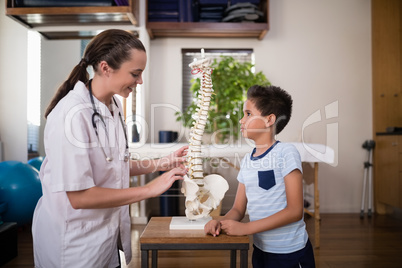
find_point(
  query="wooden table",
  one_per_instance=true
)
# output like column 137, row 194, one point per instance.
column 158, row 236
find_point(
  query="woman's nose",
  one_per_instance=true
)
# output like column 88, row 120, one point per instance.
column 139, row 81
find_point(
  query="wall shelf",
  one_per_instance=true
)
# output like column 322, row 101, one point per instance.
column 32, row 17
column 211, row 29
column 39, row 17
column 206, row 29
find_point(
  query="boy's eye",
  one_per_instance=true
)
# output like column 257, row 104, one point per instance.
column 248, row 114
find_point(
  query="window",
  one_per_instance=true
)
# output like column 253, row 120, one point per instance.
column 189, row 55
column 33, row 90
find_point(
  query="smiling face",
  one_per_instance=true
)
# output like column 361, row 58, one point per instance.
column 254, row 126
column 129, row 75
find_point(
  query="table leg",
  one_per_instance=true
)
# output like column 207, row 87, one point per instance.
column 144, row 259
column 233, row 258
column 243, row 258
column 154, row 258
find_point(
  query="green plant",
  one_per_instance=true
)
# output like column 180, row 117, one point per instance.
column 230, row 79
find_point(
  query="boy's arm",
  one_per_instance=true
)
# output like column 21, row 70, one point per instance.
column 291, row 213
column 238, row 209
column 236, row 213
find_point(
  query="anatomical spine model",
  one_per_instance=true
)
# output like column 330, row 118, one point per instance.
column 203, row 194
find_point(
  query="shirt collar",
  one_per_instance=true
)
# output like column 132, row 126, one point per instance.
column 264, row 154
column 101, row 108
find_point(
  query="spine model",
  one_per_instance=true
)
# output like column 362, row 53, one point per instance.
column 195, row 161
column 203, row 194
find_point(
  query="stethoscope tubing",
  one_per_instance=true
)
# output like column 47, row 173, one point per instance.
column 97, row 114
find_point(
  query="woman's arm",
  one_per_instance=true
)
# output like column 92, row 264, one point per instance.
column 291, row 213
column 98, row 197
column 175, row 159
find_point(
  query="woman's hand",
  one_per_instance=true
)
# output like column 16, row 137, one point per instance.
column 146, row 166
column 212, row 227
column 175, row 159
column 162, row 183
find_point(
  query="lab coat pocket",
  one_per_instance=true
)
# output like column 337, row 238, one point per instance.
column 90, row 243
column 266, row 179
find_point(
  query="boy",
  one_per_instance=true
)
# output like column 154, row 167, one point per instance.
column 270, row 186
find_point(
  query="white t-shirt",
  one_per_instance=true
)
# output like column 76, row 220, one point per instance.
column 263, row 177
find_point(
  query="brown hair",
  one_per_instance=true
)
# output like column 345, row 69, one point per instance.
column 272, row 100
column 113, row 46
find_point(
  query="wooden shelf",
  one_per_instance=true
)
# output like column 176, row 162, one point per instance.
column 206, row 29
column 33, row 17
column 210, row 29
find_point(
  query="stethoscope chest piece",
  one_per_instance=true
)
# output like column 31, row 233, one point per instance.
column 126, row 156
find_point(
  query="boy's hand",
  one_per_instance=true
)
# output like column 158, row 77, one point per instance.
column 231, row 227
column 212, row 227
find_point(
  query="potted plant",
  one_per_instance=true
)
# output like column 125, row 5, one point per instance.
column 230, row 79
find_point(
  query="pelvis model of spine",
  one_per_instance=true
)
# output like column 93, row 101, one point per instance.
column 203, row 194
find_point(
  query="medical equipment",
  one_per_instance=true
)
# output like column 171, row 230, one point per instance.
column 20, row 189
column 96, row 114
column 203, row 194
column 369, row 146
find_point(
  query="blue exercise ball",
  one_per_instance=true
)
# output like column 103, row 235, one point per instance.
column 20, row 189
column 36, row 162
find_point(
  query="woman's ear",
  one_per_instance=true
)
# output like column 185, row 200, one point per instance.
column 104, row 68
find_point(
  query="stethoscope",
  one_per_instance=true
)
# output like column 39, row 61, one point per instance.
column 96, row 114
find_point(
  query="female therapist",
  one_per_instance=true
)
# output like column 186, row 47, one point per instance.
column 82, row 219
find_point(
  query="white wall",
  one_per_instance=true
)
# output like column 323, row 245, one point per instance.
column 320, row 52
column 58, row 60
column 13, row 86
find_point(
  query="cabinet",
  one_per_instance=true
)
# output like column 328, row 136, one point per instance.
column 33, row 17
column 387, row 64
column 211, row 29
column 388, row 170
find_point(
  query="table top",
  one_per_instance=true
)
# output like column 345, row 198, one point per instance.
column 158, row 232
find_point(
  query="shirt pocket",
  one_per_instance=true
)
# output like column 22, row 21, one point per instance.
column 266, row 179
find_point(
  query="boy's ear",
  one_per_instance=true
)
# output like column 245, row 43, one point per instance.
column 271, row 119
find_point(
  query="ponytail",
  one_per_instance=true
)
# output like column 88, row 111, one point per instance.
column 79, row 73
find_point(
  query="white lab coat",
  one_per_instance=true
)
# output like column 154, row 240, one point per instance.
column 67, row 237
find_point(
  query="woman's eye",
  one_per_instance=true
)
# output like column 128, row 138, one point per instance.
column 135, row 75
